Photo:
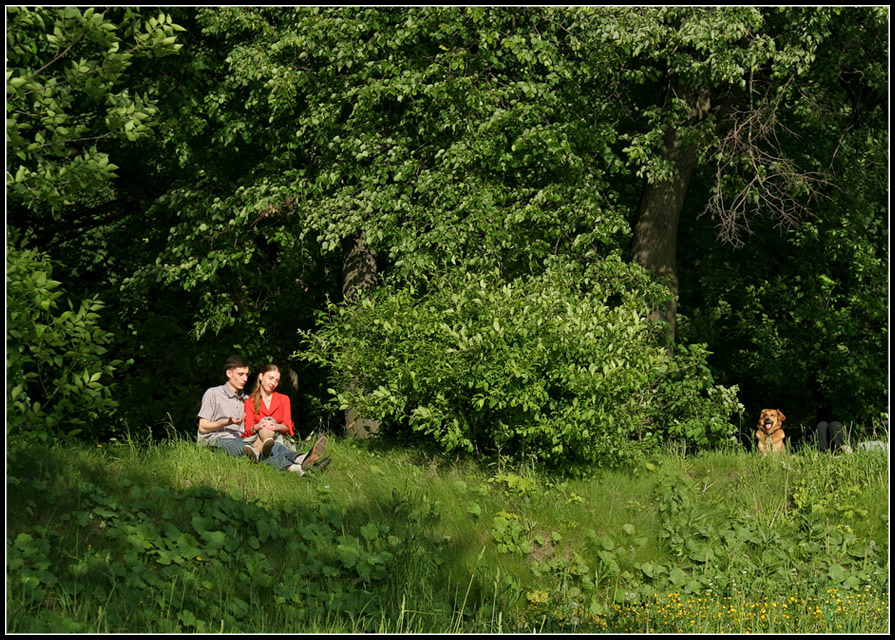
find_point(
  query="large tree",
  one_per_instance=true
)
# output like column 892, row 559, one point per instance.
column 401, row 141
column 799, row 316
column 737, row 87
column 441, row 135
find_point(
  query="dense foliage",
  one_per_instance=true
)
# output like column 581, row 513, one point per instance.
column 799, row 315
column 58, row 376
column 495, row 163
column 68, row 90
column 445, row 136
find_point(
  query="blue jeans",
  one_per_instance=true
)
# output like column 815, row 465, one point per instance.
column 280, row 457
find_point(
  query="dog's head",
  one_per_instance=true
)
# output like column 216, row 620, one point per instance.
column 770, row 420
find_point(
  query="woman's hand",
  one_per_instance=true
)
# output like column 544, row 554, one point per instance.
column 275, row 426
column 270, row 424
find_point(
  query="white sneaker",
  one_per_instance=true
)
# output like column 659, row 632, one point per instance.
column 249, row 450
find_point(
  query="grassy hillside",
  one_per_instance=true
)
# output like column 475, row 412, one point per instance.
column 140, row 537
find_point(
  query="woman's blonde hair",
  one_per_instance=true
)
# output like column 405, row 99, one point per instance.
column 256, row 391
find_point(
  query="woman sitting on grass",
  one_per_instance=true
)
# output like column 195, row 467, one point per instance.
column 268, row 413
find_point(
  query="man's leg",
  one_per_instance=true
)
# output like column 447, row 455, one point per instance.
column 280, row 457
column 283, row 458
column 232, row 446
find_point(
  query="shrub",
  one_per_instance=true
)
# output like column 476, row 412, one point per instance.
column 56, row 374
column 562, row 367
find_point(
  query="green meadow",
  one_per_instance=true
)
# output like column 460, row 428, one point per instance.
column 133, row 536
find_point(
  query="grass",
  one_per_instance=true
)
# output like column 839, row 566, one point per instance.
column 132, row 536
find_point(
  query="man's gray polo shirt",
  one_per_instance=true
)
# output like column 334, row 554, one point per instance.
column 220, row 403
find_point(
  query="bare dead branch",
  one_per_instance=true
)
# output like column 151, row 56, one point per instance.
column 770, row 183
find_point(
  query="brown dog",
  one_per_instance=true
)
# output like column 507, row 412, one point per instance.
column 770, row 431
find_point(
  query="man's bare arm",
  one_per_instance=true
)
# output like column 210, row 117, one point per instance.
column 207, row 426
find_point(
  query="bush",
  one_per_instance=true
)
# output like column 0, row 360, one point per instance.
column 56, row 375
column 563, row 367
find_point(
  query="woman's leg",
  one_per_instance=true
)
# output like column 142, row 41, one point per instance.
column 263, row 436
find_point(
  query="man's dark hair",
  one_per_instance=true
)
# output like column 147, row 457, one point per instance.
column 235, row 362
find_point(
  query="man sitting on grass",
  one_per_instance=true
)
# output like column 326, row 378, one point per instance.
column 221, row 417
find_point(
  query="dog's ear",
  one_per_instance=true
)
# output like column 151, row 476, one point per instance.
column 782, row 417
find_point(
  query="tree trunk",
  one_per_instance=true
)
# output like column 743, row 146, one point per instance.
column 358, row 267
column 655, row 234
column 358, row 275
